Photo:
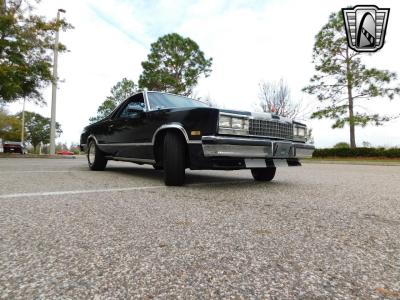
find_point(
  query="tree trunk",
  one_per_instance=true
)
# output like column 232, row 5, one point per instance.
column 351, row 123
column 351, row 102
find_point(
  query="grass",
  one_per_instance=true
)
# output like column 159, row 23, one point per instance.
column 355, row 160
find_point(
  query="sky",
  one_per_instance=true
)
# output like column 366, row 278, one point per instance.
column 249, row 41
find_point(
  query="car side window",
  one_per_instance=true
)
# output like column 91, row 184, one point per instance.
column 133, row 106
column 132, row 109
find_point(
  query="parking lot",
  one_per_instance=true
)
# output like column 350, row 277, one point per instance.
column 315, row 232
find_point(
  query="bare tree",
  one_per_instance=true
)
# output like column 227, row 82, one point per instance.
column 210, row 101
column 275, row 97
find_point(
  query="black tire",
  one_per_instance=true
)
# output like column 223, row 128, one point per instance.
column 157, row 167
column 263, row 174
column 96, row 159
column 174, row 159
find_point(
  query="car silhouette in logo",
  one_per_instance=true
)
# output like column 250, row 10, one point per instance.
column 365, row 27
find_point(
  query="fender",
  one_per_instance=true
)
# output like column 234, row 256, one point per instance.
column 169, row 126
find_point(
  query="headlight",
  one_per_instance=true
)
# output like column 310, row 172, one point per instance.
column 233, row 125
column 225, row 121
column 299, row 131
column 238, row 123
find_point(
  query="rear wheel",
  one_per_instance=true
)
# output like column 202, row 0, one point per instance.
column 174, row 158
column 96, row 159
column 263, row 174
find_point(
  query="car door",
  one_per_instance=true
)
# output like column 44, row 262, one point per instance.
column 126, row 131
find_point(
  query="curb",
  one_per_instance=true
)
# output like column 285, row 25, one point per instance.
column 45, row 156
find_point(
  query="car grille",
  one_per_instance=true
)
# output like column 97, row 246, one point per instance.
column 271, row 129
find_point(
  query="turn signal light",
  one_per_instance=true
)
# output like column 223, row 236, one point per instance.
column 195, row 132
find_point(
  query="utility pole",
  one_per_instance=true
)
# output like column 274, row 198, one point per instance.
column 23, row 124
column 54, row 91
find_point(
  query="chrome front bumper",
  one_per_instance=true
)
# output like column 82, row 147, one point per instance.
column 223, row 146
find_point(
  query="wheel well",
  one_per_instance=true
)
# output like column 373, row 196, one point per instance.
column 89, row 139
column 159, row 144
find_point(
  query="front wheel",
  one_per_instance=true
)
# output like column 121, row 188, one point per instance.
column 263, row 174
column 174, row 159
column 96, row 159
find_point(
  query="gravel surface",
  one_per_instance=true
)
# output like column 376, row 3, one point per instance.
column 315, row 232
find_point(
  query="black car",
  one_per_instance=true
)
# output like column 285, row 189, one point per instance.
column 173, row 133
column 14, row 147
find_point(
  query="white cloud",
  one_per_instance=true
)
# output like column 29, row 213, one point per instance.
column 248, row 40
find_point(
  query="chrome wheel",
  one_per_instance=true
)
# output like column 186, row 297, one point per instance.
column 91, row 153
column 95, row 157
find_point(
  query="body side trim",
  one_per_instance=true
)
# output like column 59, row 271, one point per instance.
column 163, row 127
column 126, row 144
column 129, row 159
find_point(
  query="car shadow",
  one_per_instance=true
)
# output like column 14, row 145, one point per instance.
column 193, row 178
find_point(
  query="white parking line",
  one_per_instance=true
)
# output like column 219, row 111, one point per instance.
column 136, row 188
column 58, row 193
column 37, row 171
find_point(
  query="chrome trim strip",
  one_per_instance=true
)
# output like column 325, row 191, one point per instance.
column 140, row 144
column 234, row 115
column 266, row 116
column 139, row 160
column 171, row 125
column 146, row 100
column 299, row 139
column 304, row 146
column 269, row 137
column 126, row 144
column 93, row 137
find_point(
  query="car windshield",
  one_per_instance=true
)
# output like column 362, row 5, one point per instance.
column 161, row 100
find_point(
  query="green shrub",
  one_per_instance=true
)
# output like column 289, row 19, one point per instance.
column 342, row 145
column 357, row 152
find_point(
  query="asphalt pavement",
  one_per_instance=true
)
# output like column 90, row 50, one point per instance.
column 321, row 231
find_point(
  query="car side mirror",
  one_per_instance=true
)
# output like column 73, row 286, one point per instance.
column 134, row 111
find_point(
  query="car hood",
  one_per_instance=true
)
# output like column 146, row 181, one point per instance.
column 257, row 115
